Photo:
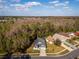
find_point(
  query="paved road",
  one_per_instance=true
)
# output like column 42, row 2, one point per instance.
column 71, row 55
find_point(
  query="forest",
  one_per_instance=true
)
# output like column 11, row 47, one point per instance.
column 18, row 33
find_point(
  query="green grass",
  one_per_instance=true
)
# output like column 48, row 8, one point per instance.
column 34, row 54
column 64, row 52
column 30, row 50
column 52, row 48
column 77, row 39
column 2, row 51
column 71, row 42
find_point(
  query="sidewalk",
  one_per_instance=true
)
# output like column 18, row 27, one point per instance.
column 68, row 46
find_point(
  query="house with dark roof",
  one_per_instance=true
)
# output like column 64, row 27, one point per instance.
column 40, row 43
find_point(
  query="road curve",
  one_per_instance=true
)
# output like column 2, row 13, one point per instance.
column 70, row 55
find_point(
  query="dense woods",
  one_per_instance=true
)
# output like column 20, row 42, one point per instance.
column 18, row 33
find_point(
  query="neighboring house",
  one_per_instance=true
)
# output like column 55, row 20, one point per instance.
column 39, row 43
column 61, row 36
column 77, row 33
column 72, row 35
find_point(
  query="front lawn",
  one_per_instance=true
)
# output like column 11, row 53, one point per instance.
column 64, row 52
column 31, row 50
column 2, row 51
column 52, row 48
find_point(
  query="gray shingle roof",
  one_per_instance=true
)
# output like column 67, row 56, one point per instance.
column 40, row 42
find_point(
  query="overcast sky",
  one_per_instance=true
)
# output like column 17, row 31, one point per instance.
column 39, row 7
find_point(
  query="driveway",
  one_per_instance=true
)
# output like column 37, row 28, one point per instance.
column 71, row 55
column 42, row 52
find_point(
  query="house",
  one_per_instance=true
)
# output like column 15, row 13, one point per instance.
column 61, row 36
column 77, row 33
column 72, row 35
column 39, row 43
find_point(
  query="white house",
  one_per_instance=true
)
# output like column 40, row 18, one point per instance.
column 61, row 36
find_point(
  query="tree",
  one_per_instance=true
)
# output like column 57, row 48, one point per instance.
column 57, row 42
column 76, row 25
column 18, row 41
column 24, row 39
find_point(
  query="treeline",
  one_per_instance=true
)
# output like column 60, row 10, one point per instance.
column 37, row 17
column 18, row 36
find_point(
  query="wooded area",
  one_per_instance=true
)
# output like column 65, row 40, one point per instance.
column 18, row 33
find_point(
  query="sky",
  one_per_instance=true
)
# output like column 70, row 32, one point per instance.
column 39, row 7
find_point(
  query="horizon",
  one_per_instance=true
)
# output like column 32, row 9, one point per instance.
column 39, row 16
column 39, row 8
